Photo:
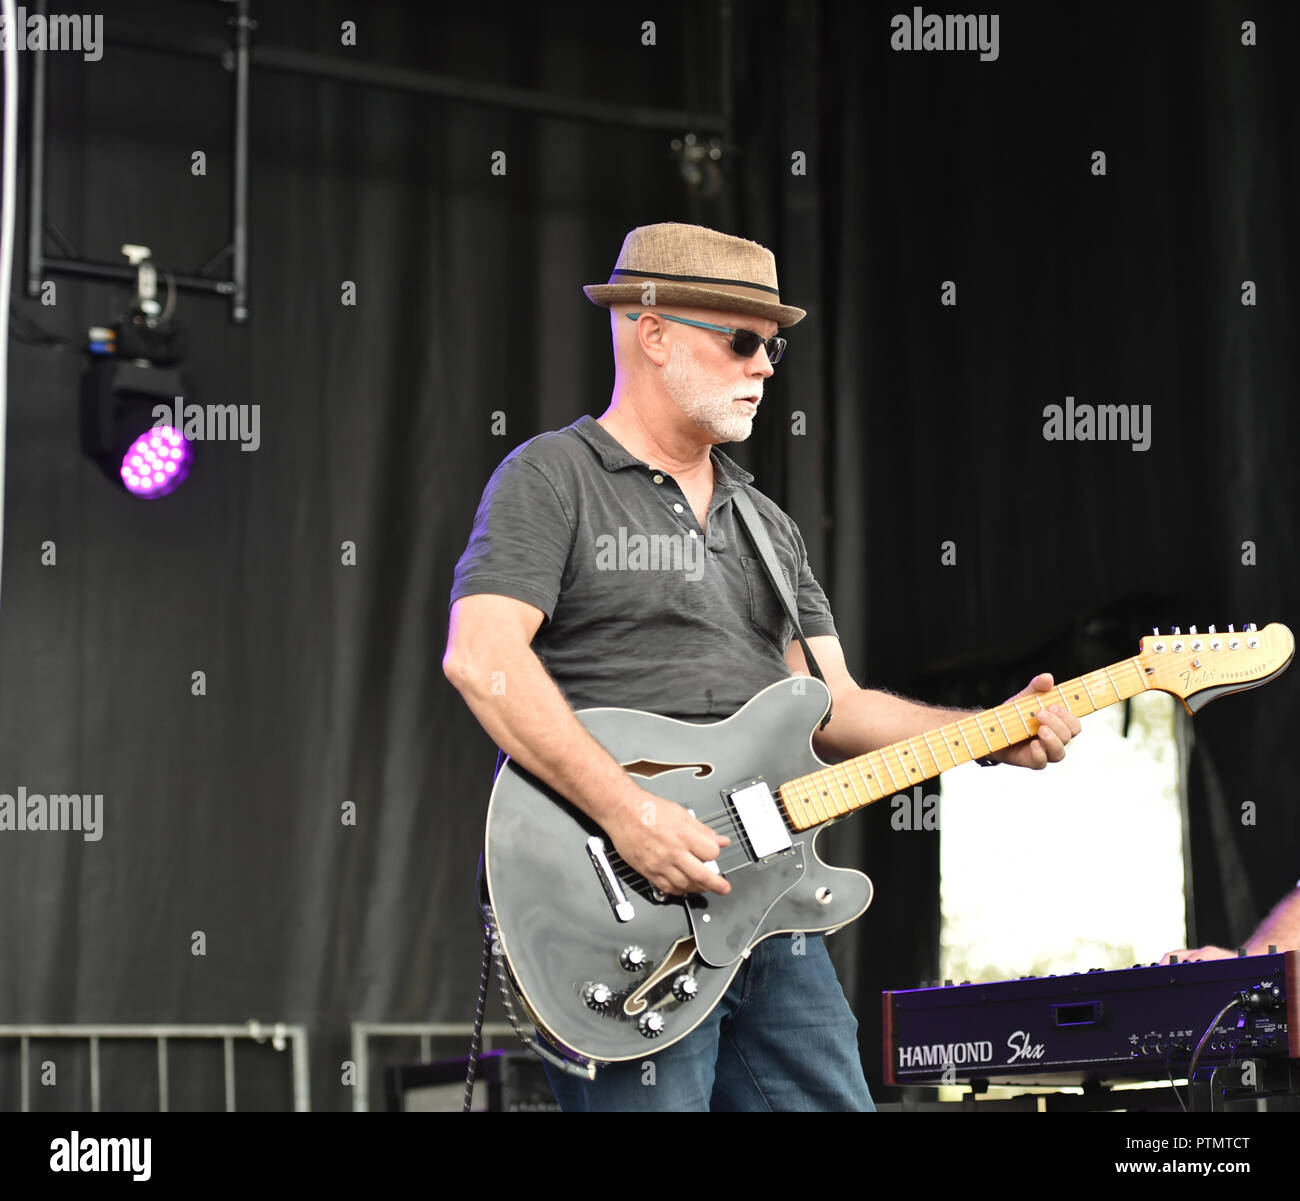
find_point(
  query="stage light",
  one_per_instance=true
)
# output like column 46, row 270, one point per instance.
column 132, row 385
column 157, row 462
column 118, row 430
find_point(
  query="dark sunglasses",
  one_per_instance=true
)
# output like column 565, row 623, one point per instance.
column 745, row 342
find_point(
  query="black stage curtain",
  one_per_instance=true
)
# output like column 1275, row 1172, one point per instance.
column 922, row 423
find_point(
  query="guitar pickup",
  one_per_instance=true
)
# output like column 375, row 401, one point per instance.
column 760, row 819
column 614, row 893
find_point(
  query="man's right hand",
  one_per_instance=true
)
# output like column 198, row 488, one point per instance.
column 668, row 846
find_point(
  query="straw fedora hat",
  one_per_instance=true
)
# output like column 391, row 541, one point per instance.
column 691, row 265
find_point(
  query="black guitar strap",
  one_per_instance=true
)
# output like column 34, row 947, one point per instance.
column 758, row 535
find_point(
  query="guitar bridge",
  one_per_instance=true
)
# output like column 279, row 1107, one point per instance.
column 614, row 893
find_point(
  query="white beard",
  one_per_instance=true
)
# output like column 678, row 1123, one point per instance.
column 712, row 407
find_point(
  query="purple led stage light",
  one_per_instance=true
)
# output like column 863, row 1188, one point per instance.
column 156, row 463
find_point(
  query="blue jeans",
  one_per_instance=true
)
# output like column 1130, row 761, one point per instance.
column 782, row 1038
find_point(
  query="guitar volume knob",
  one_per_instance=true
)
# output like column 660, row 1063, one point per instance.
column 651, row 1024
column 685, row 988
column 632, row 959
column 598, row 996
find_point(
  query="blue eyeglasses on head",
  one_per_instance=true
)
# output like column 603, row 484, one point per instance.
column 745, row 342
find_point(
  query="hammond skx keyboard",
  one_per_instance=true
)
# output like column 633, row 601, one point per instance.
column 1140, row 1023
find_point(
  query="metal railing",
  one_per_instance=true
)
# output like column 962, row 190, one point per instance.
column 279, row 1034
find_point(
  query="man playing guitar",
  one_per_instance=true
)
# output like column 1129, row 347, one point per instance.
column 548, row 616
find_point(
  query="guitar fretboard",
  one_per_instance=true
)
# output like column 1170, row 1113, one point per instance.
column 837, row 791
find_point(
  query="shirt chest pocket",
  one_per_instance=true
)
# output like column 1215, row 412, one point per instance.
column 765, row 609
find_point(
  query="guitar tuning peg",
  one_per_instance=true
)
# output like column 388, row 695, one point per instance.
column 1212, row 630
column 1250, row 629
column 1230, row 629
column 1156, row 631
column 1191, row 629
column 1178, row 629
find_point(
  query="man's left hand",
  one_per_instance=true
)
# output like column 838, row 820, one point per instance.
column 1056, row 726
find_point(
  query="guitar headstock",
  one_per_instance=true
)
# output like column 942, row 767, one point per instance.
column 1196, row 668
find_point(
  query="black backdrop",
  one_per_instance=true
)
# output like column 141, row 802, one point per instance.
column 222, row 812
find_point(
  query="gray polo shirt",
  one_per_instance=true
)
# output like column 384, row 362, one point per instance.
column 644, row 609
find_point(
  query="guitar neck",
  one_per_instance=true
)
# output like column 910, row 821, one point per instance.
column 837, row 791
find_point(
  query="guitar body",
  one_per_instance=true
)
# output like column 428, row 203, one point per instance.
column 570, row 942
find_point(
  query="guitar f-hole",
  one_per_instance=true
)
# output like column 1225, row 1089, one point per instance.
column 648, row 768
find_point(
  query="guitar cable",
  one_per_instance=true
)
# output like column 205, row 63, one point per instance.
column 534, row 1043
column 476, row 1038
column 491, row 946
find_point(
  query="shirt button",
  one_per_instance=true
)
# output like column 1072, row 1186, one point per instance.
column 694, row 534
column 659, row 479
column 677, row 508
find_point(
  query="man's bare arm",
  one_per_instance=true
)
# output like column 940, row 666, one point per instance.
column 1280, row 929
column 491, row 663
column 864, row 719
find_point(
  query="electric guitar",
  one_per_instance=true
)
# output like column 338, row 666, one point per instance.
column 609, row 968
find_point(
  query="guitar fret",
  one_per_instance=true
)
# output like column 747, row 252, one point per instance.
column 822, row 796
column 866, row 787
column 848, row 788
column 1015, row 705
column 837, row 786
column 848, row 767
column 902, row 767
column 1004, row 729
column 875, row 789
column 938, row 767
column 890, row 770
column 810, row 800
column 817, row 782
column 833, row 791
column 1119, row 696
column 964, row 739
column 815, row 807
column 911, row 770
column 1142, row 675
column 1030, row 731
column 861, row 793
column 799, row 792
